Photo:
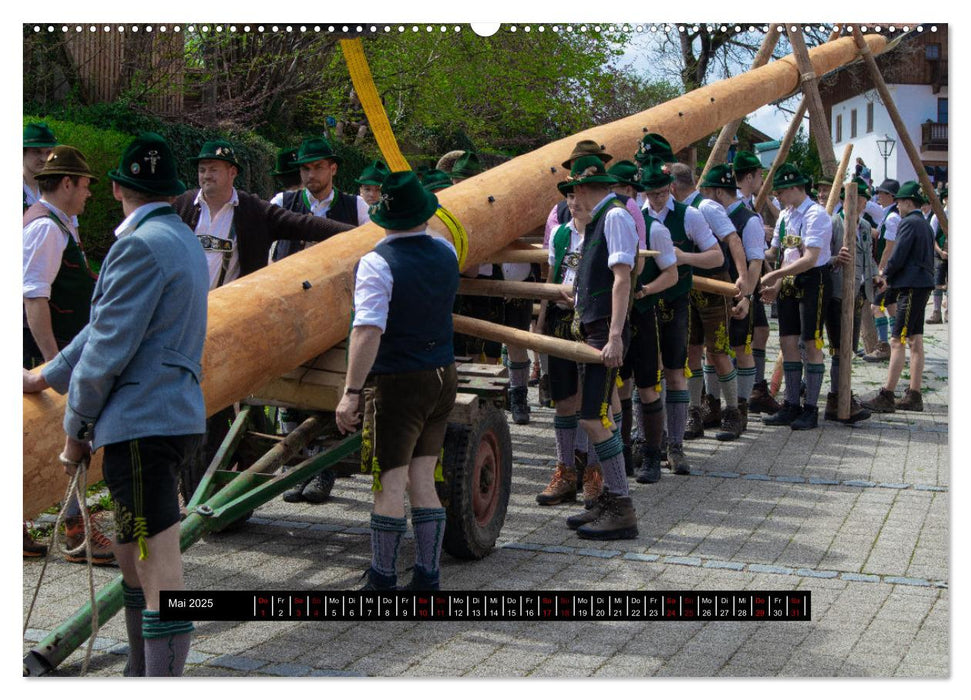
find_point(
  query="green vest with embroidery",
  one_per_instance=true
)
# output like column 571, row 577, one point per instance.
column 674, row 222
column 71, row 291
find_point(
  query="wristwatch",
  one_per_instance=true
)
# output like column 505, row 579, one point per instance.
column 353, row 392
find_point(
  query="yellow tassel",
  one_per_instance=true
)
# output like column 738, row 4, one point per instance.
column 687, row 372
column 819, row 340
column 903, row 335
column 883, row 306
column 604, row 419
column 440, row 467
column 141, row 536
column 618, row 381
column 748, row 344
column 376, row 482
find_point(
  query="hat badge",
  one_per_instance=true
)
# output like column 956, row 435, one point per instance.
column 51, row 156
column 135, row 168
column 153, row 157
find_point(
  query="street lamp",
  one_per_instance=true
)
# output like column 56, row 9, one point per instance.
column 885, row 146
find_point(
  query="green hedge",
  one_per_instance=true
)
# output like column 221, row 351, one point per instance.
column 103, row 131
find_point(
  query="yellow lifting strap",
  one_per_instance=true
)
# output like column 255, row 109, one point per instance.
column 381, row 128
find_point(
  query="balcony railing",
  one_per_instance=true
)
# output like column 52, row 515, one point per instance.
column 933, row 136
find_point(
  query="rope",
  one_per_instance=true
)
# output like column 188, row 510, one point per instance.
column 77, row 488
column 363, row 81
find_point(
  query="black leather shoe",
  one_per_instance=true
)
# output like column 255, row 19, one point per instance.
column 808, row 420
column 788, row 413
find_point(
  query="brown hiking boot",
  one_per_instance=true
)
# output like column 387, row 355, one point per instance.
column 101, row 554
column 882, row 402
column 857, row 412
column 912, row 401
column 677, row 461
column 588, row 514
column 32, row 548
column 743, row 411
column 761, row 400
column 935, row 317
column 617, row 521
column 593, row 484
column 695, row 427
column 562, row 487
column 731, row 427
column 711, row 411
column 879, row 354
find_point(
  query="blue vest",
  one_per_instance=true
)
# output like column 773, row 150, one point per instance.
column 418, row 334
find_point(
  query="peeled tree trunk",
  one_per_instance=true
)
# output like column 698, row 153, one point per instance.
column 267, row 323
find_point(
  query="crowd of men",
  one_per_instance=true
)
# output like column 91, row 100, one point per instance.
column 686, row 327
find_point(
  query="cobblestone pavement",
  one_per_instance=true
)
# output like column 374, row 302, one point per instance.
column 858, row 515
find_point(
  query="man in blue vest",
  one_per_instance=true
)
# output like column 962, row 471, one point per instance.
column 401, row 355
column 137, row 393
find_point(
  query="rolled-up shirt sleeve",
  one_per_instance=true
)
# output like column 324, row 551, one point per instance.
column 753, row 239
column 44, row 245
column 372, row 292
column 661, row 242
column 621, row 234
column 716, row 218
column 698, row 229
column 891, row 224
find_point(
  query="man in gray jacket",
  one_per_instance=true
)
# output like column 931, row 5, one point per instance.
column 132, row 377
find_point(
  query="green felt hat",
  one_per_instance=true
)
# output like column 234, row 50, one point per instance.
column 587, row 169
column 910, row 190
column 788, row 175
column 436, row 179
column 745, row 161
column 39, row 135
column 286, row 162
column 824, row 180
column 312, row 150
column 374, row 174
column 625, row 172
column 862, row 188
column 404, row 202
column 66, row 160
column 657, row 146
column 565, row 187
column 655, row 174
column 217, row 150
column 467, row 165
column 587, row 147
column 720, row 176
column 148, row 166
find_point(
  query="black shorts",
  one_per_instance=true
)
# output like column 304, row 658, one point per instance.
column 940, row 273
column 143, row 478
column 910, row 311
column 888, row 297
column 758, row 309
column 563, row 373
column 740, row 329
column 518, row 313
column 598, row 379
column 405, row 416
column 803, row 302
column 642, row 356
column 672, row 329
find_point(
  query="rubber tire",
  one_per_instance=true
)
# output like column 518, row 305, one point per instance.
column 468, row 536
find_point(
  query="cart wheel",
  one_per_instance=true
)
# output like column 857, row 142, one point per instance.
column 478, row 479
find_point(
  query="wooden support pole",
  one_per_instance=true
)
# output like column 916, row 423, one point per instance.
column 834, row 192
column 728, row 132
column 851, row 215
column 530, row 253
column 512, row 290
column 781, row 156
column 818, row 124
column 578, row 352
column 787, row 140
column 900, row 127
